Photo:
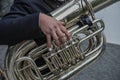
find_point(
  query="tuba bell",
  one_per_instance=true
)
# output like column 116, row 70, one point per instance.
column 28, row 61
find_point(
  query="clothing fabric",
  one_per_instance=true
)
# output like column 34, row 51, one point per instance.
column 21, row 23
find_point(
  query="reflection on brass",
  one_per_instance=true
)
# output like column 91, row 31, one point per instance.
column 27, row 61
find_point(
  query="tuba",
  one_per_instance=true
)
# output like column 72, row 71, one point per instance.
column 28, row 61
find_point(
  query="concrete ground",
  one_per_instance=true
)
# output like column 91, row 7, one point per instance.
column 106, row 68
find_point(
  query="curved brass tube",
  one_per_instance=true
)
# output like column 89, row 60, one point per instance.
column 27, row 61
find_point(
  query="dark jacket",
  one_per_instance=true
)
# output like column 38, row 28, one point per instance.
column 21, row 23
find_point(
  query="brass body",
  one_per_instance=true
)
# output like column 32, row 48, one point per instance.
column 27, row 61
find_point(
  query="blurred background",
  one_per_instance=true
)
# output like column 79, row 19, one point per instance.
column 108, row 66
column 111, row 17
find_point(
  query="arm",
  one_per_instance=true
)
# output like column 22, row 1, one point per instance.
column 21, row 23
column 24, row 22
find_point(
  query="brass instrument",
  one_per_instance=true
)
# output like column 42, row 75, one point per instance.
column 27, row 61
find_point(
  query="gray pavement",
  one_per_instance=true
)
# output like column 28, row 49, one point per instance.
column 106, row 68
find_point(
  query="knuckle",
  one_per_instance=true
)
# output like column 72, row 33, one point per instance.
column 64, row 29
column 48, row 33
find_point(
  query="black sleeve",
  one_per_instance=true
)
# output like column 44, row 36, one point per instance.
column 21, row 23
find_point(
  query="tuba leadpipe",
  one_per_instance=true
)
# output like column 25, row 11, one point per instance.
column 23, row 60
column 73, row 5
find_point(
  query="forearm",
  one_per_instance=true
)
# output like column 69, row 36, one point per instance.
column 14, row 30
column 21, row 23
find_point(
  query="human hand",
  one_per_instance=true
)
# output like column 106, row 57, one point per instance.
column 53, row 29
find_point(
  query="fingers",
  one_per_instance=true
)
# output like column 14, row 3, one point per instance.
column 48, row 40
column 63, row 29
column 53, row 29
column 58, row 32
column 56, row 38
column 61, row 35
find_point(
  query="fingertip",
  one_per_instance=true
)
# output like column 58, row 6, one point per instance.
column 63, row 23
column 57, row 43
column 69, row 36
